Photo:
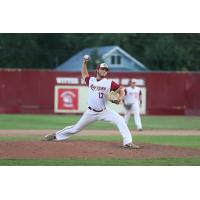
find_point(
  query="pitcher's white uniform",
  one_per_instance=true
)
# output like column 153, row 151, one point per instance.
column 133, row 97
column 97, row 110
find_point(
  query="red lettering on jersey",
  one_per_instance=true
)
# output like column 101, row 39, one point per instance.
column 97, row 88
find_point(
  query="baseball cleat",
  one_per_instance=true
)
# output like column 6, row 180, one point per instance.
column 50, row 137
column 140, row 129
column 131, row 146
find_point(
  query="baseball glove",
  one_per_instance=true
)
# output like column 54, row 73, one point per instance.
column 113, row 97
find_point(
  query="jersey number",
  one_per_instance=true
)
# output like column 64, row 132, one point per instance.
column 100, row 95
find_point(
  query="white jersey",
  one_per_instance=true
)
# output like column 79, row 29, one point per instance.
column 132, row 95
column 97, row 93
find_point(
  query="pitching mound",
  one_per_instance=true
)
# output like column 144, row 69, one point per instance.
column 88, row 149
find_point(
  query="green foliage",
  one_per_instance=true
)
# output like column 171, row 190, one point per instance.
column 157, row 51
column 96, row 59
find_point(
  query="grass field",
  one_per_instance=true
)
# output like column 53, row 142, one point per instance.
column 149, row 122
column 105, row 162
column 59, row 121
column 183, row 141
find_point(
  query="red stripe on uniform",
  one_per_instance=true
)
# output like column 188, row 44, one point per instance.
column 87, row 79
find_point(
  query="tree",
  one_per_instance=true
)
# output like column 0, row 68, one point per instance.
column 96, row 59
column 157, row 51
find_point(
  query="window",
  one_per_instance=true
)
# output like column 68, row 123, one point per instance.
column 116, row 60
column 112, row 59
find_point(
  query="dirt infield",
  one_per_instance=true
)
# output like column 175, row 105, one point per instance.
column 89, row 149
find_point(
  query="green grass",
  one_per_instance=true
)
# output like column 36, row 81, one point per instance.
column 171, row 122
column 183, row 141
column 21, row 138
column 104, row 162
column 60, row 121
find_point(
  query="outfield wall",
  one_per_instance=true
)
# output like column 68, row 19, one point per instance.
column 32, row 91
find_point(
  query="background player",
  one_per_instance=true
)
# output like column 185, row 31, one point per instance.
column 132, row 102
column 99, row 86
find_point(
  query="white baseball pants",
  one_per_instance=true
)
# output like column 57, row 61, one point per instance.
column 90, row 116
column 135, row 110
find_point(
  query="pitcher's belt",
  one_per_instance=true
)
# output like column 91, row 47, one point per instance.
column 96, row 110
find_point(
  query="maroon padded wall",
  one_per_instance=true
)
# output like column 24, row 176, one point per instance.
column 32, row 91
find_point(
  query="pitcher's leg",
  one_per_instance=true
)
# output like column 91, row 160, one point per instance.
column 113, row 117
column 68, row 131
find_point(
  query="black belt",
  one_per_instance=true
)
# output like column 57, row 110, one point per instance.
column 96, row 110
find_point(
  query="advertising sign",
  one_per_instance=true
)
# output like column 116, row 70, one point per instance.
column 66, row 99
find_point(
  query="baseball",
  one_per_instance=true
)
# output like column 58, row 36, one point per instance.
column 86, row 57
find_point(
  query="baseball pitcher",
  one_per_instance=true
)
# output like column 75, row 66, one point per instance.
column 97, row 109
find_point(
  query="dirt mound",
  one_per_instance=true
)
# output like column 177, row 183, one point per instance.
column 88, row 149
